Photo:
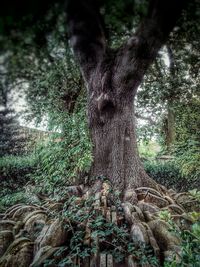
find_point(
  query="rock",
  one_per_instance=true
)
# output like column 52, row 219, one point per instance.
column 6, row 225
column 175, row 209
column 33, row 213
column 169, row 199
column 148, row 207
column 139, row 212
column 156, row 200
column 19, row 253
column 149, row 216
column 139, row 234
column 130, row 196
column 9, row 214
column 43, row 254
column 18, row 226
column 34, row 222
column 6, row 238
column 128, row 208
column 146, row 190
column 164, row 237
column 53, row 234
column 173, row 254
column 56, row 207
column 21, row 212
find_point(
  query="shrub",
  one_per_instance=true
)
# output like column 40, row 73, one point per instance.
column 16, row 169
column 188, row 158
column 11, row 198
column 65, row 156
column 15, row 172
column 190, row 242
column 169, row 174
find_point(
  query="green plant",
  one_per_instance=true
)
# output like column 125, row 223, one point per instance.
column 190, row 248
column 99, row 234
column 12, row 198
column 195, row 193
column 189, row 254
column 65, row 156
column 148, row 149
column 169, row 174
column 15, row 172
column 188, row 158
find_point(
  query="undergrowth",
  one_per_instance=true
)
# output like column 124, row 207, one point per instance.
column 15, row 172
column 92, row 232
column 170, row 175
column 189, row 255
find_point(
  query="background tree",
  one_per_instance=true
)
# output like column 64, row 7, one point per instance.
column 11, row 139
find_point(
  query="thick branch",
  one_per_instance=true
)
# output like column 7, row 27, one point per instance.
column 86, row 34
column 139, row 52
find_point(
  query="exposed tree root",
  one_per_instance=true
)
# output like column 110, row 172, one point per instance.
column 33, row 235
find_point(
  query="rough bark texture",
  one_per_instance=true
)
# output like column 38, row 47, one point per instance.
column 112, row 79
column 170, row 131
column 112, row 127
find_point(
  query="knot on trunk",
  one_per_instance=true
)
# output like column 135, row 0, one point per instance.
column 105, row 104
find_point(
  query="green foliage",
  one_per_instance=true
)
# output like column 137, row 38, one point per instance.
column 11, row 198
column 17, row 169
column 148, row 150
column 190, row 248
column 189, row 160
column 56, row 90
column 65, row 156
column 39, row 57
column 190, row 240
column 172, row 83
column 11, row 139
column 187, row 147
column 15, row 172
column 166, row 173
column 112, row 239
column 196, row 194
column 170, row 175
column 121, row 18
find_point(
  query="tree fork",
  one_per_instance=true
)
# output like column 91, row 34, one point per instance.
column 112, row 79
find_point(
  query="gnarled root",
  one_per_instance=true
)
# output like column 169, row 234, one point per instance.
column 32, row 234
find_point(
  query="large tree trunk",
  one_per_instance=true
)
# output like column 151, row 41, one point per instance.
column 112, row 78
column 112, row 127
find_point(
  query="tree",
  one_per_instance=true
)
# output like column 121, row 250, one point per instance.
column 12, row 141
column 112, row 78
column 168, row 89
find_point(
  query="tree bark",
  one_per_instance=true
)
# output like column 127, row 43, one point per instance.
column 112, row 127
column 112, row 79
column 170, row 131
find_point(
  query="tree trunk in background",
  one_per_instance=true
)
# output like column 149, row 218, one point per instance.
column 170, row 123
column 170, row 128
